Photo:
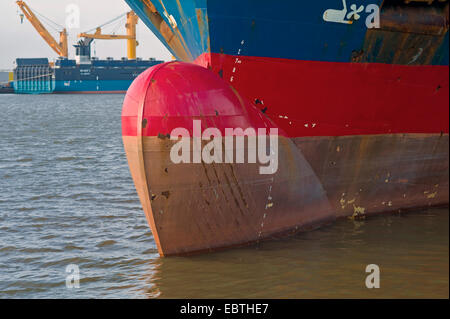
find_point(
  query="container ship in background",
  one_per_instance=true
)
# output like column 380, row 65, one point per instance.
column 85, row 74
column 359, row 91
column 37, row 76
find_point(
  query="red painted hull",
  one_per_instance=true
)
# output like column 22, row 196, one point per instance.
column 308, row 98
column 337, row 157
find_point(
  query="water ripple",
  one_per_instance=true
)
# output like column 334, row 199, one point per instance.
column 67, row 198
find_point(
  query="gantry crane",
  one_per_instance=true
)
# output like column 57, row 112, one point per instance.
column 60, row 48
column 132, row 20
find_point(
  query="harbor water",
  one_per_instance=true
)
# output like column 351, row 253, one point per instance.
column 67, row 198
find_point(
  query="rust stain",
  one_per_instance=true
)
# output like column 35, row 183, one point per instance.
column 176, row 29
column 238, row 186
column 180, row 10
column 203, row 27
column 343, row 201
column 201, row 24
column 432, row 195
column 166, row 194
column 172, row 40
column 358, row 212
column 409, row 33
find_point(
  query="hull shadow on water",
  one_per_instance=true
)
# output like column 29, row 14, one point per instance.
column 411, row 251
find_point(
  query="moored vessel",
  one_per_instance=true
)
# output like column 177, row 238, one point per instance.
column 39, row 75
column 359, row 94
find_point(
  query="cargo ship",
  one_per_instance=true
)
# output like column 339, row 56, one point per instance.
column 357, row 90
column 84, row 74
column 39, row 75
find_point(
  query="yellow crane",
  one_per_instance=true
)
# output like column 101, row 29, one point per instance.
column 60, row 47
column 132, row 20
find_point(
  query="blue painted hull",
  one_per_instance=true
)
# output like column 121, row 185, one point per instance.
column 295, row 30
column 111, row 86
column 37, row 76
column 105, row 86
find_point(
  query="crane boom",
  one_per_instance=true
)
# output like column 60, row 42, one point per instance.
column 98, row 35
column 60, row 48
column 132, row 20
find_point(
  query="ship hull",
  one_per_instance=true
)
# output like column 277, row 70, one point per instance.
column 208, row 208
column 205, row 207
column 38, row 76
column 101, row 86
column 311, row 98
column 364, row 115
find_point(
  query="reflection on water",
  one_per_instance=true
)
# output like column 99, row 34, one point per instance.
column 66, row 197
column 411, row 251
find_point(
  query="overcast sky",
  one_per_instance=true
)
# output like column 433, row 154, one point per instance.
column 22, row 40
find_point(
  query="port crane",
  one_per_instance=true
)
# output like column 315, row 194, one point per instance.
column 132, row 20
column 61, row 47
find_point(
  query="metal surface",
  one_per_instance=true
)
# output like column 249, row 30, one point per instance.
column 60, row 48
column 409, row 34
column 364, row 115
column 132, row 20
column 36, row 76
column 271, row 29
column 205, row 207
